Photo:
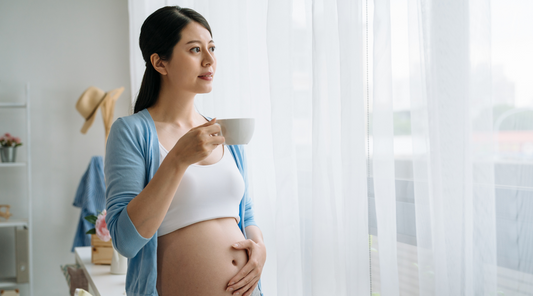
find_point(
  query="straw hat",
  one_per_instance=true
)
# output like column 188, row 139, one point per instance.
column 91, row 99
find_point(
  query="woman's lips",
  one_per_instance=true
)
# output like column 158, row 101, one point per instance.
column 208, row 77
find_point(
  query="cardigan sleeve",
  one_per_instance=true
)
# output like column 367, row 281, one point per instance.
column 126, row 176
column 249, row 218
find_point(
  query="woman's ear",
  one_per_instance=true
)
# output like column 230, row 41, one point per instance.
column 158, row 64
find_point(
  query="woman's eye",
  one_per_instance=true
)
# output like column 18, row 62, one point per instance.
column 197, row 49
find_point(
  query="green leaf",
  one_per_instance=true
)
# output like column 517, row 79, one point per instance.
column 92, row 231
column 91, row 218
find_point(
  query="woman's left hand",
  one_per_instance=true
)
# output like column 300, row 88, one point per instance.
column 247, row 278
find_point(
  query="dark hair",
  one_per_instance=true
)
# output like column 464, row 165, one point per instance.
column 160, row 32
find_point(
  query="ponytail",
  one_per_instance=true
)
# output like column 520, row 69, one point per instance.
column 149, row 91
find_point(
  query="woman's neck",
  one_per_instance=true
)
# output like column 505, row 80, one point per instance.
column 177, row 109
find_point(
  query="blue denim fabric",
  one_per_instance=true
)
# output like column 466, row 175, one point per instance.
column 90, row 197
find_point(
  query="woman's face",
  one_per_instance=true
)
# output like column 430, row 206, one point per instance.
column 192, row 57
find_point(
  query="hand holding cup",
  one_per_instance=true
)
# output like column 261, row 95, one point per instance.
column 198, row 143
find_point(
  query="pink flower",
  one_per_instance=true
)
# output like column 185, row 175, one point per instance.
column 101, row 227
column 7, row 135
column 17, row 140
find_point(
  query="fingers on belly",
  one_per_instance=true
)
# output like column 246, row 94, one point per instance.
column 239, row 258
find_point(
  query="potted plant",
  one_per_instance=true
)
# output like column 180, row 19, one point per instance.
column 102, row 249
column 8, row 145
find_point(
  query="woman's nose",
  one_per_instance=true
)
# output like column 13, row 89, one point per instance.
column 209, row 60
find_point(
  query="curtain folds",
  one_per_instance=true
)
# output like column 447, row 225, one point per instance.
column 452, row 173
column 383, row 149
column 459, row 176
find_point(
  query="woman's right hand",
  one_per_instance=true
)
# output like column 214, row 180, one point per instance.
column 197, row 143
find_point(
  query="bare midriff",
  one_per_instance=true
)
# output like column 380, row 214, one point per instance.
column 199, row 259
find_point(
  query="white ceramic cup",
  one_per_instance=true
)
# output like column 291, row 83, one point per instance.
column 236, row 131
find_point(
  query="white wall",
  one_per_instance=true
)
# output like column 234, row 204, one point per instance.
column 61, row 47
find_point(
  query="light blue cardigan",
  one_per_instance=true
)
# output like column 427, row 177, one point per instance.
column 131, row 160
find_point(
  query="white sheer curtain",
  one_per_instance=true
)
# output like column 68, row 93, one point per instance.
column 437, row 94
column 448, row 219
column 453, row 176
column 298, row 68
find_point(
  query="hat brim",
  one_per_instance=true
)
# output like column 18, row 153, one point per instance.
column 110, row 95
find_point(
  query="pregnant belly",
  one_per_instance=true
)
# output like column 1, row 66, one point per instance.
column 198, row 259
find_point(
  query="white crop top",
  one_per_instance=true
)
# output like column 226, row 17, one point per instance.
column 205, row 192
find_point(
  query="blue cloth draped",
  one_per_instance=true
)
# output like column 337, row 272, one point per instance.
column 90, row 197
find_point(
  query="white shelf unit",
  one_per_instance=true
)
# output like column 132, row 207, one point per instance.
column 12, row 164
column 21, row 223
column 14, row 223
column 13, row 105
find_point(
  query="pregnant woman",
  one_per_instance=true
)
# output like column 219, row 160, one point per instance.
column 177, row 198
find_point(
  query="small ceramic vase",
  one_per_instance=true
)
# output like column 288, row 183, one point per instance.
column 119, row 263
